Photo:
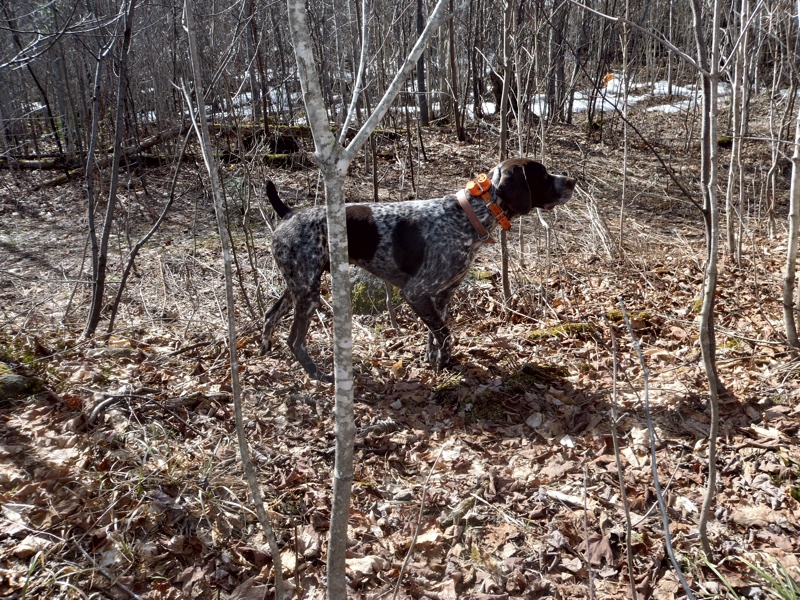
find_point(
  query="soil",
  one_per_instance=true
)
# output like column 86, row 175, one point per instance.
column 497, row 478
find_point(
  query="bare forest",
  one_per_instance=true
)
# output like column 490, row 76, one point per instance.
column 621, row 415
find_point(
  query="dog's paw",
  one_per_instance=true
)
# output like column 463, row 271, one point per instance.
column 444, row 358
column 432, row 354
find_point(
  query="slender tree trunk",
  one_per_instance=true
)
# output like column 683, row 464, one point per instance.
column 201, row 127
column 422, row 94
column 333, row 161
column 790, row 306
column 708, row 168
column 100, row 257
column 454, row 79
column 251, row 44
column 507, row 66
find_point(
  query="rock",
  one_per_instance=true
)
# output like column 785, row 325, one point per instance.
column 13, row 385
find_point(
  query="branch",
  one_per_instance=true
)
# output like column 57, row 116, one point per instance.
column 362, row 66
column 653, row 459
column 742, row 33
column 438, row 16
column 200, row 125
column 660, row 39
column 325, row 145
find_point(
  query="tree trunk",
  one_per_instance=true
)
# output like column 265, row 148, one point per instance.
column 790, row 306
column 201, row 127
column 333, row 161
column 422, row 94
column 507, row 66
column 100, row 250
column 709, row 162
column 454, row 79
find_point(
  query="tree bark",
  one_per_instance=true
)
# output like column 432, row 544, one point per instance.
column 708, row 167
column 333, row 160
column 790, row 307
column 100, row 250
column 422, row 93
column 507, row 65
column 201, row 127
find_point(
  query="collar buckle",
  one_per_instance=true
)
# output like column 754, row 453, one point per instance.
column 481, row 187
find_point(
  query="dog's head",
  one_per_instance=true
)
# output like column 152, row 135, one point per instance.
column 524, row 184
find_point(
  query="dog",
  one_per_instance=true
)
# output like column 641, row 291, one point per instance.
column 423, row 247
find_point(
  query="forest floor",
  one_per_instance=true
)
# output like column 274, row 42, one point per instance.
column 121, row 478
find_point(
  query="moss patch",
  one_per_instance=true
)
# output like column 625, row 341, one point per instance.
column 563, row 330
column 487, row 406
column 531, row 375
column 615, row 316
column 369, row 301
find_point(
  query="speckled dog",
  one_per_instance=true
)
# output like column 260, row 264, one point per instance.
column 424, row 247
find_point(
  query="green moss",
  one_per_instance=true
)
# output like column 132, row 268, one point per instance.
column 615, row 316
column 450, row 390
column 480, row 275
column 531, row 375
column 369, row 301
column 563, row 330
column 733, row 344
column 487, row 406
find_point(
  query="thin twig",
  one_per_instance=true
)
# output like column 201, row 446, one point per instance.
column 586, row 536
column 620, row 473
column 653, row 459
column 108, row 575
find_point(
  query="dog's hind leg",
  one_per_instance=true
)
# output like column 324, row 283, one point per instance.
column 304, row 306
column 272, row 318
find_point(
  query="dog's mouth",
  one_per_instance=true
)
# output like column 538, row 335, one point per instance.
column 552, row 205
column 565, row 187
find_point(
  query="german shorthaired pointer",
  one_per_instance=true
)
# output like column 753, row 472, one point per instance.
column 424, row 247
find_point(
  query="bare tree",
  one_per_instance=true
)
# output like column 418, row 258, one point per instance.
column 333, row 160
column 100, row 249
column 790, row 305
column 507, row 66
column 202, row 130
column 709, row 62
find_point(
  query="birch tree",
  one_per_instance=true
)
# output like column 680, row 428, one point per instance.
column 789, row 275
column 333, row 158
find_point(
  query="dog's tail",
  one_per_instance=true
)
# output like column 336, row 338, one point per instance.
column 276, row 202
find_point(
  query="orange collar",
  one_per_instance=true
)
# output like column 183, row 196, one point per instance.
column 482, row 186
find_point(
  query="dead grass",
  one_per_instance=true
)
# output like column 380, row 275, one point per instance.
column 149, row 494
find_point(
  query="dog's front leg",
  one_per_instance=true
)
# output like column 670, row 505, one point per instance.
column 438, row 350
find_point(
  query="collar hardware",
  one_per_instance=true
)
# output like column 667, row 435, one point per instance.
column 481, row 187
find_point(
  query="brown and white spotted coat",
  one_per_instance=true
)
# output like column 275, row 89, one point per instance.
column 423, row 247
